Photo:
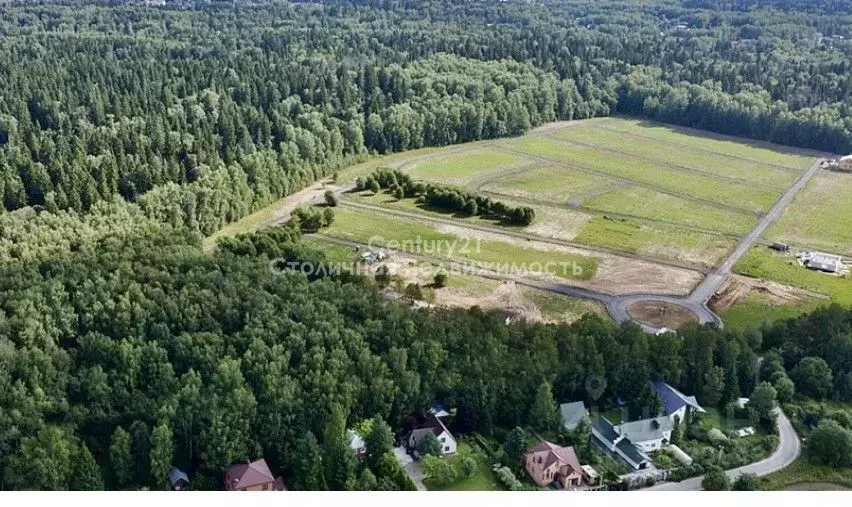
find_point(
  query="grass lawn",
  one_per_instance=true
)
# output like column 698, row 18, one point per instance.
column 803, row 475
column 483, row 478
column 561, row 308
column 820, row 215
column 553, row 183
column 459, row 168
column 648, row 173
column 749, row 172
column 756, row 308
column 334, row 253
column 380, row 230
column 716, row 418
column 646, row 203
column 614, row 415
column 670, row 134
column 655, row 240
column 760, row 262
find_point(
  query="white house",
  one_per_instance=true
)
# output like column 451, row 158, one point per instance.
column 675, row 403
column 356, row 444
column 648, row 434
column 434, row 425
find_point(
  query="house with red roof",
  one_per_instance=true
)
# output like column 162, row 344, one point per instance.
column 252, row 476
column 547, row 463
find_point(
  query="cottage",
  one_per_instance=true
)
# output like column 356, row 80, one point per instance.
column 252, row 476
column 357, row 445
column 572, row 414
column 178, row 480
column 549, row 463
column 675, row 403
column 435, row 426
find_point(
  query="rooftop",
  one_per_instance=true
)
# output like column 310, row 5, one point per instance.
column 247, row 475
column 573, row 413
column 646, row 429
column 673, row 400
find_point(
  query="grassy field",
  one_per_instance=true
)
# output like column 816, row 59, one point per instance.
column 747, row 171
column 379, row 230
column 802, row 475
column 459, row 168
column 562, row 308
column 648, row 173
column 756, row 308
column 483, row 478
column 820, row 215
column 655, row 240
column 559, row 184
column 646, row 203
column 776, row 155
column 760, row 262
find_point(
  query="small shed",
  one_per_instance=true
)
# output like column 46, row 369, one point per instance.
column 178, row 479
column 781, row 247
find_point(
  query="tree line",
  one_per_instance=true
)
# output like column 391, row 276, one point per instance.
column 443, row 197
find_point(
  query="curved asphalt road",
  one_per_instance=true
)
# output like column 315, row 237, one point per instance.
column 787, row 451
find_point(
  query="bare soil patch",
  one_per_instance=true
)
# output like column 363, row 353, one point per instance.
column 661, row 314
column 737, row 288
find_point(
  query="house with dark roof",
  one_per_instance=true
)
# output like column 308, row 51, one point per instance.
column 675, row 403
column 572, row 414
column 252, row 476
column 548, row 463
column 609, row 440
column 432, row 424
column 178, row 480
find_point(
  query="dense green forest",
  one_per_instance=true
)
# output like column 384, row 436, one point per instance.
column 128, row 132
column 125, row 338
column 204, row 112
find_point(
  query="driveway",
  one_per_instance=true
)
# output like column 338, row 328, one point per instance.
column 412, row 467
column 787, row 451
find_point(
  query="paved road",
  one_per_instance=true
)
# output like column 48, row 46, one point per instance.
column 787, row 451
column 413, row 468
column 713, row 281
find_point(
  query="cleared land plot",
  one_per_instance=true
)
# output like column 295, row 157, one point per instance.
column 460, row 168
column 647, row 203
column 559, row 184
column 760, row 262
column 671, row 134
column 418, row 238
column 747, row 171
column 758, row 308
column 820, row 216
column 648, row 173
column 655, row 240
column 465, row 291
column 745, row 302
column 661, row 314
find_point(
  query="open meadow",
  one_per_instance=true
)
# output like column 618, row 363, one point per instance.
column 820, row 217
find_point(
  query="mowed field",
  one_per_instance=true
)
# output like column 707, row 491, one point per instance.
column 820, row 217
column 624, row 184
